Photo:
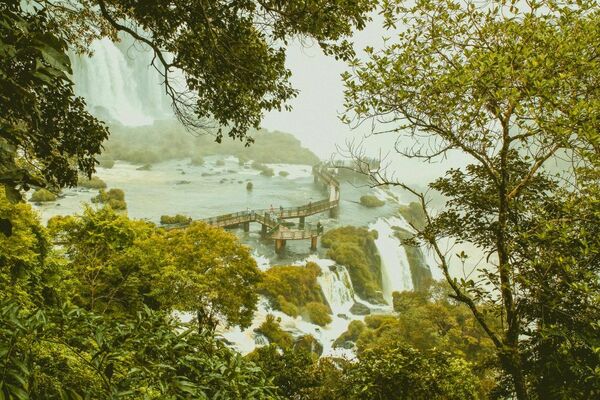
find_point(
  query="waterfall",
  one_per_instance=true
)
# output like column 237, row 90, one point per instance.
column 337, row 288
column 395, row 269
column 119, row 84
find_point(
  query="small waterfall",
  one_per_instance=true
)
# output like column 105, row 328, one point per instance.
column 395, row 269
column 119, row 84
column 337, row 288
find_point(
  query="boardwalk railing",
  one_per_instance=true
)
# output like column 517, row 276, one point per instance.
column 273, row 218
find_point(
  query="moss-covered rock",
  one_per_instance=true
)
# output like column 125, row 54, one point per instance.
column 43, row 196
column 91, row 183
column 196, row 159
column 175, row 219
column 355, row 248
column 360, row 309
column 284, row 173
column 249, row 186
column 294, row 290
column 419, row 270
column 371, row 201
column 264, row 169
column 413, row 214
column 145, row 167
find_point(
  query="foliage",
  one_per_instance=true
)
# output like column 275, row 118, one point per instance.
column 271, row 329
column 68, row 353
column 100, row 276
column 91, row 183
column 355, row 248
column 201, row 269
column 403, row 373
column 284, row 173
column 25, row 268
column 114, row 198
column 46, row 134
column 370, row 201
column 42, row 196
column 288, row 368
column 318, row 313
column 512, row 86
column 292, row 288
column 175, row 219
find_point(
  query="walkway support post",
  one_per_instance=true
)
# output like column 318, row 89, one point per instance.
column 301, row 223
column 246, row 226
column 313, row 243
column 333, row 212
column 279, row 245
column 263, row 230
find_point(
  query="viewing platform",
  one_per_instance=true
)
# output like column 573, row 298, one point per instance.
column 272, row 220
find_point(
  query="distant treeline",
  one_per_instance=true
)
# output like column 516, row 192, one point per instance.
column 168, row 140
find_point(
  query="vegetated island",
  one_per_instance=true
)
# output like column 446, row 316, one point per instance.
column 168, row 140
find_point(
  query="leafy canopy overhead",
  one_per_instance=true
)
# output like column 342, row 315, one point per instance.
column 231, row 53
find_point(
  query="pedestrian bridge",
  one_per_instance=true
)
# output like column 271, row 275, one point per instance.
column 273, row 220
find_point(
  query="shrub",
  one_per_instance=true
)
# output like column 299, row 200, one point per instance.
column 43, row 195
column 318, row 313
column 283, row 173
column 371, row 201
column 249, row 186
column 115, row 198
column 92, row 183
column 355, row 328
column 174, row 219
column 271, row 329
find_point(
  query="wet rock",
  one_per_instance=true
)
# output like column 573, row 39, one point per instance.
column 183, row 182
column 360, row 309
column 343, row 316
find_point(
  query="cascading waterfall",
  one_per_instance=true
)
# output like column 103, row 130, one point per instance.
column 336, row 286
column 395, row 269
column 119, row 84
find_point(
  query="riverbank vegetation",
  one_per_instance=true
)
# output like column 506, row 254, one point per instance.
column 168, row 140
column 175, row 219
column 355, row 248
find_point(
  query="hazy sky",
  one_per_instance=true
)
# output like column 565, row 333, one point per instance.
column 314, row 118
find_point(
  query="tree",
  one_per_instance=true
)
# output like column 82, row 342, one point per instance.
column 514, row 87
column 201, row 269
column 231, row 55
column 45, row 133
column 402, row 373
column 100, row 274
